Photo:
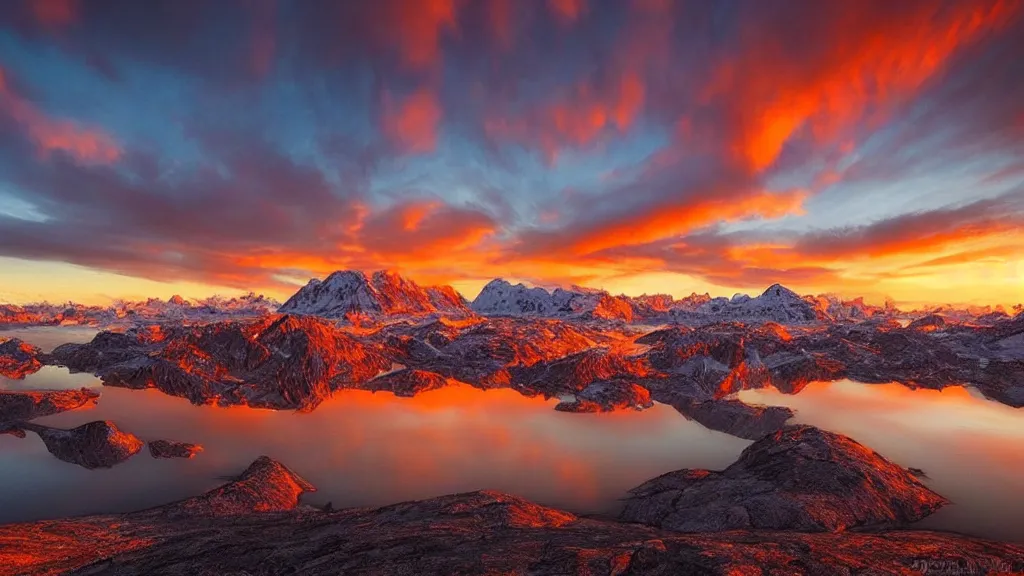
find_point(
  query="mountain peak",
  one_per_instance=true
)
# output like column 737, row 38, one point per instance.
column 384, row 292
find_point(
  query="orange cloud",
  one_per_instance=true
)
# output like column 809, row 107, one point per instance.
column 869, row 63
column 663, row 221
column 49, row 134
column 411, row 123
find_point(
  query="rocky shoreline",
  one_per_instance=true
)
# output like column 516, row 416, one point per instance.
column 295, row 362
column 255, row 524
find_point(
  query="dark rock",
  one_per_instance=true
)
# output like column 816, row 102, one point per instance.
column 800, row 478
column 407, row 382
column 171, row 449
column 265, row 486
column 737, row 418
column 928, row 323
column 282, row 362
column 98, row 444
column 31, row 404
column 473, row 533
column 917, row 472
column 18, row 359
column 607, row 396
column 288, row 362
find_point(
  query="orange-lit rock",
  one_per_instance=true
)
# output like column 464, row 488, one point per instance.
column 30, row 404
column 608, row 396
column 172, row 449
column 800, row 478
column 18, row 359
column 265, row 486
column 226, row 531
column 97, row 444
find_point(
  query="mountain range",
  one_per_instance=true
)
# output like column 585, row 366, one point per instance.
column 354, row 296
column 345, row 294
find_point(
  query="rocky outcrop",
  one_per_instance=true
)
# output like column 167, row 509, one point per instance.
column 265, row 486
column 282, row 362
column 105, row 350
column 31, row 404
column 608, row 396
column 800, row 478
column 929, row 323
column 486, row 532
column 98, row 444
column 407, row 382
column 18, row 359
column 736, row 418
column 172, row 449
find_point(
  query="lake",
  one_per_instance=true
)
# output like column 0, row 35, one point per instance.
column 365, row 449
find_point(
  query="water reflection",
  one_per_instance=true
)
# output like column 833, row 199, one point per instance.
column 971, row 448
column 362, row 449
column 46, row 338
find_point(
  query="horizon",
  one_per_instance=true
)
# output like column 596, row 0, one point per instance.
column 477, row 286
column 636, row 147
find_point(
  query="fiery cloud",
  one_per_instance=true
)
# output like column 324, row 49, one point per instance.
column 868, row 62
column 832, row 146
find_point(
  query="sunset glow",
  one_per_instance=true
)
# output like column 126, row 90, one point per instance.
column 859, row 148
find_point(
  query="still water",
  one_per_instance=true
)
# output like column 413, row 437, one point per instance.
column 364, row 449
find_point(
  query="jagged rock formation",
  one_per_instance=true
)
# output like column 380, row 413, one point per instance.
column 289, row 362
column 265, row 486
column 735, row 417
column 18, row 359
column 274, row 362
column 98, row 444
column 407, row 382
column 172, row 449
column 31, row 404
column 351, row 292
column 776, row 304
column 227, row 532
column 800, row 478
column 607, row 396
column 484, row 353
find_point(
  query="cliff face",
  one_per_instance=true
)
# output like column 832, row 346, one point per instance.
column 254, row 525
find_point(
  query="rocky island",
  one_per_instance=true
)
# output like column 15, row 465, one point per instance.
column 99, row 444
column 172, row 449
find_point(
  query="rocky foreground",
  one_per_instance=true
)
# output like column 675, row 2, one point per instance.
column 255, row 525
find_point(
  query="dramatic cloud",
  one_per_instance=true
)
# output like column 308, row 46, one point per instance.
column 835, row 146
column 51, row 134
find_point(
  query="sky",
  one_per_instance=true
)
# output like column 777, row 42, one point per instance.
column 869, row 148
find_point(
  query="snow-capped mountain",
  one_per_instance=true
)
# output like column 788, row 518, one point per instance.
column 502, row 298
column 385, row 293
column 175, row 309
column 835, row 308
column 776, row 304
